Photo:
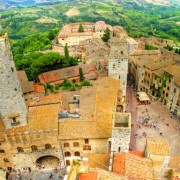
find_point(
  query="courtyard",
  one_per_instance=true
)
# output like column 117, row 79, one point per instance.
column 152, row 121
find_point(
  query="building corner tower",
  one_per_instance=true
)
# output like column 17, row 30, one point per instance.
column 13, row 110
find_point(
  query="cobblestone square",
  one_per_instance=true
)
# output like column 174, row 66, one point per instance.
column 166, row 124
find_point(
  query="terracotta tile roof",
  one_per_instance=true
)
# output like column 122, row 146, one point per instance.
column 70, row 30
column 154, row 62
column 70, row 72
column 107, row 175
column 138, row 153
column 27, row 86
column 144, row 52
column 88, row 176
column 38, row 88
column 132, row 166
column 131, row 41
column 174, row 163
column 51, row 99
column 159, row 72
column 174, row 70
column 118, row 29
column 160, row 64
column 116, row 39
column 67, row 97
column 158, row 146
column 67, row 30
column 1, row 129
column 101, row 26
column 22, row 76
column 100, row 174
column 43, row 117
column 96, row 112
column 98, row 160
column 73, row 129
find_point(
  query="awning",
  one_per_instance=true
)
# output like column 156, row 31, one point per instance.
column 143, row 96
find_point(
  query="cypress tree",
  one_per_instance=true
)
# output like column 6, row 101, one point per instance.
column 81, row 28
column 81, row 74
column 66, row 52
column 106, row 35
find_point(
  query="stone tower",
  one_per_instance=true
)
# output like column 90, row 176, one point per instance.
column 12, row 106
column 118, row 62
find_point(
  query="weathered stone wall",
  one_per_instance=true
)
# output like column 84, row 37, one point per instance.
column 28, row 158
column 22, row 160
column 120, row 140
column 118, row 63
column 11, row 101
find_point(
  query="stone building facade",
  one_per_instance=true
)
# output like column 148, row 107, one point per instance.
column 118, row 62
column 23, row 149
column 12, row 106
column 121, row 132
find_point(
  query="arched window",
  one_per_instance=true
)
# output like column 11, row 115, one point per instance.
column 66, row 144
column 76, row 144
column 34, row 148
column 76, row 153
column 47, row 146
column 20, row 149
column 67, row 154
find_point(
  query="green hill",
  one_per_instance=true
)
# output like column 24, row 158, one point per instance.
column 32, row 29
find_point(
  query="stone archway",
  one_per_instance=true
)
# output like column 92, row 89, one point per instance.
column 46, row 162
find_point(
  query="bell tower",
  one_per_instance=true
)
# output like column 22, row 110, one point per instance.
column 12, row 106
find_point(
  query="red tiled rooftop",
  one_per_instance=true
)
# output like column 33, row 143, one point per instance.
column 70, row 72
column 132, row 166
column 89, row 176
column 138, row 153
column 22, row 76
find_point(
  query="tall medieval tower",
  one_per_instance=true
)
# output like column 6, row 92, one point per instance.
column 118, row 62
column 13, row 110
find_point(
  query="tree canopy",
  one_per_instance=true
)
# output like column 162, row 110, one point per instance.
column 37, row 63
column 106, row 35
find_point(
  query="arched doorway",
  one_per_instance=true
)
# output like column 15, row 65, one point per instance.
column 47, row 162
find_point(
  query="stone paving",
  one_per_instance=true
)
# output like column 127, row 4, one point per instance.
column 158, row 113
column 44, row 174
column 166, row 124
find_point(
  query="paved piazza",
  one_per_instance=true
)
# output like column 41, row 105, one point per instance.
column 158, row 116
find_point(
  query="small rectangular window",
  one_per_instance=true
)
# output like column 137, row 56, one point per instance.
column 86, row 141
